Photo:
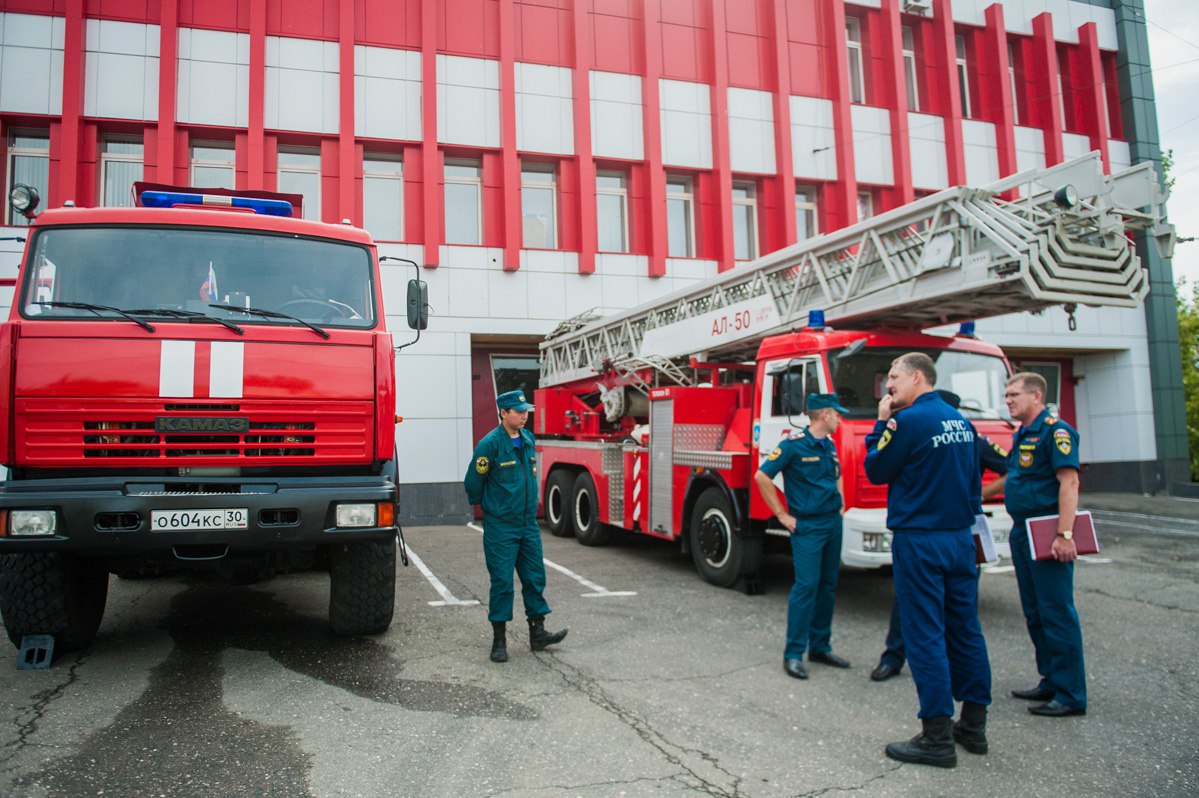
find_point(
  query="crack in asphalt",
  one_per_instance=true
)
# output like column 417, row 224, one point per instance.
column 852, row 787
column 571, row 787
column 673, row 752
column 1137, row 599
column 27, row 721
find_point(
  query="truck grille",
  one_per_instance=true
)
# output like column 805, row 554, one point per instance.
column 265, row 439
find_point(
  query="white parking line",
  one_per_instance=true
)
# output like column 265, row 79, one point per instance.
column 599, row 590
column 448, row 599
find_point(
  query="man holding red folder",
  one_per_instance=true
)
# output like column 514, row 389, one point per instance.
column 1042, row 479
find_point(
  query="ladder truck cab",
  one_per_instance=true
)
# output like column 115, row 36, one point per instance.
column 655, row 420
column 197, row 382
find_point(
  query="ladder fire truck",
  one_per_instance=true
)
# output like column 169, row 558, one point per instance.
column 655, row 419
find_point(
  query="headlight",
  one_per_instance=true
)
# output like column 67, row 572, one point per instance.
column 355, row 515
column 22, row 523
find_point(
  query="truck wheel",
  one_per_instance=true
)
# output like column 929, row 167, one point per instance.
column 721, row 555
column 52, row 594
column 585, row 513
column 362, row 587
column 557, row 503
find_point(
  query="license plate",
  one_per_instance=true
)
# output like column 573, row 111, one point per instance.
column 182, row 520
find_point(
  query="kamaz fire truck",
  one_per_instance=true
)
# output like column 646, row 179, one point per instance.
column 654, row 420
column 199, row 381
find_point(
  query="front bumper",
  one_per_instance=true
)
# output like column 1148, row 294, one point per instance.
column 866, row 541
column 111, row 515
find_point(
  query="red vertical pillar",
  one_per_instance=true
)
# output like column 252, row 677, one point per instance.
column 784, row 158
column 66, row 186
column 945, row 43
column 1002, row 113
column 168, row 70
column 655, row 172
column 348, row 166
column 721, row 150
column 510, row 158
column 841, row 196
column 1046, row 102
column 431, row 170
column 586, row 204
column 255, row 133
column 1094, row 100
column 897, row 103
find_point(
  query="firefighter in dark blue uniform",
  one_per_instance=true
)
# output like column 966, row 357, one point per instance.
column 925, row 454
column 991, row 456
column 812, row 486
column 1042, row 479
column 502, row 479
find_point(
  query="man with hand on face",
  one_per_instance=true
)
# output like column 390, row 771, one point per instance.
column 924, row 451
column 502, row 479
column 812, row 486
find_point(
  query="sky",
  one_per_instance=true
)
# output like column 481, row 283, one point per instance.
column 1173, row 27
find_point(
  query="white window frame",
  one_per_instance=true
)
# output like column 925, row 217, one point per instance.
column 685, row 196
column 749, row 204
column 963, row 67
column 14, row 151
column 529, row 183
column 474, row 181
column 312, row 205
column 108, row 158
column 807, row 205
column 1011, row 76
column 621, row 194
column 1061, row 89
column 857, row 70
column 211, row 163
column 865, row 205
column 384, row 168
column 910, row 72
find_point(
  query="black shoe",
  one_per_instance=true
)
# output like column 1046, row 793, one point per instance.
column 539, row 638
column 883, row 672
column 499, row 641
column 932, row 746
column 970, row 731
column 828, row 658
column 1056, row 709
column 1035, row 694
column 795, row 668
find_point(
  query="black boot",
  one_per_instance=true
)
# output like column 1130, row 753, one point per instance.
column 933, row 746
column 971, row 730
column 499, row 642
column 539, row 638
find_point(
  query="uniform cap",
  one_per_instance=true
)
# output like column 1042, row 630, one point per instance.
column 512, row 400
column 819, row 401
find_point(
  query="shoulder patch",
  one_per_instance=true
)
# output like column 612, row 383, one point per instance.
column 775, row 453
column 482, row 465
column 892, row 425
column 1061, row 439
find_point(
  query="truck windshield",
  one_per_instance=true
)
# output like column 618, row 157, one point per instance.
column 860, row 380
column 167, row 269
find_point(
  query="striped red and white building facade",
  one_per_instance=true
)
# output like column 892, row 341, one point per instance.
column 543, row 158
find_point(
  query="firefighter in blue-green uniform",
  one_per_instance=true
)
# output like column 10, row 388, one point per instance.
column 502, row 479
column 812, row 486
column 1042, row 479
column 991, row 456
column 924, row 451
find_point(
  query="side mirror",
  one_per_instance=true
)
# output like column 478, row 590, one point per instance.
column 418, row 304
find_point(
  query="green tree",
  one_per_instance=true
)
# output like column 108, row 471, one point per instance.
column 1188, row 343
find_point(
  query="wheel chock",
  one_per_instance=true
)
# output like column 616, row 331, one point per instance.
column 37, row 651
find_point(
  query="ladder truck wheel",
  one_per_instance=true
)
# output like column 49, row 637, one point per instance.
column 721, row 555
column 362, row 587
column 558, row 492
column 49, row 593
column 585, row 513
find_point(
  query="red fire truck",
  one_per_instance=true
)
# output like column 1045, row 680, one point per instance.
column 654, row 420
column 200, row 381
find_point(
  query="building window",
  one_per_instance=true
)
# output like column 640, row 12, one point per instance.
column 745, row 222
column 680, row 217
column 807, row 220
column 909, row 68
column 612, row 211
column 963, row 76
column 463, row 202
column 1013, row 54
column 28, row 163
column 539, row 203
column 383, row 197
column 857, row 71
column 213, row 165
column 300, row 173
column 120, row 167
column 1064, row 80
column 865, row 205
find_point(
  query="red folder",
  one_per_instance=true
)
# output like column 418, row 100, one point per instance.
column 1042, row 531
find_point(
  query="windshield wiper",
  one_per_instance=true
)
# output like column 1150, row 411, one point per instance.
column 271, row 314
column 128, row 314
column 190, row 315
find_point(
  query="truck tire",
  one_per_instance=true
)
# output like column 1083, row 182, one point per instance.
column 52, row 594
column 362, row 587
column 558, row 489
column 585, row 513
column 721, row 555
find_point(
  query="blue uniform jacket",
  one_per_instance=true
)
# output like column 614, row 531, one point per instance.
column 990, row 454
column 503, row 479
column 1038, row 451
column 810, row 469
column 926, row 454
